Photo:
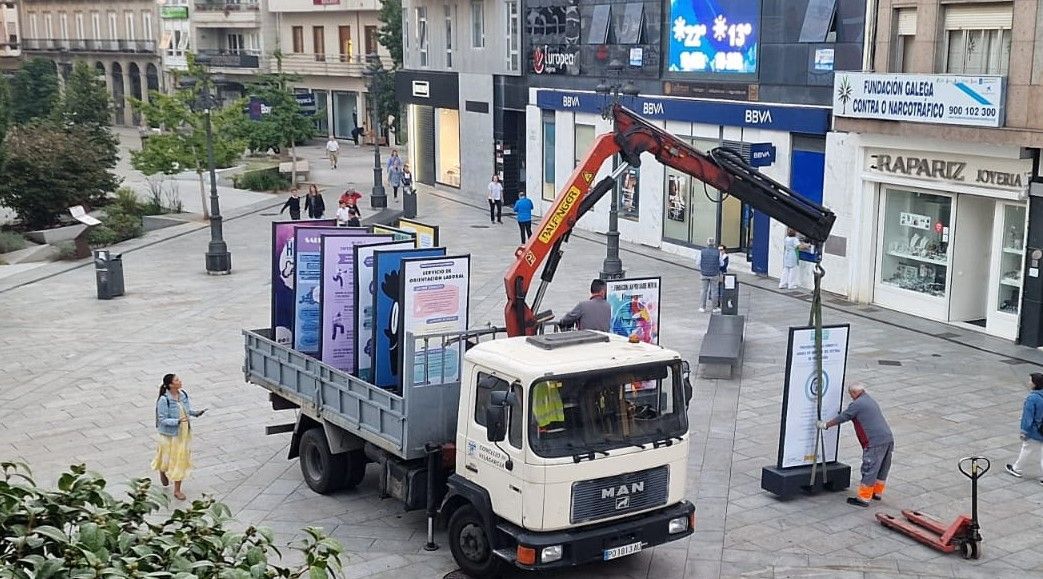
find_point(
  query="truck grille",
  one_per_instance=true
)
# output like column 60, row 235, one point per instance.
column 611, row 496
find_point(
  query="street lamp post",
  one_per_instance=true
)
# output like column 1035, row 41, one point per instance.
column 218, row 259
column 612, row 267
column 378, row 199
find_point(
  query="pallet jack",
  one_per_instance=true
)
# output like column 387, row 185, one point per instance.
column 962, row 535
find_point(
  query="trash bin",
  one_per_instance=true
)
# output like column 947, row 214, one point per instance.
column 729, row 295
column 409, row 203
column 108, row 270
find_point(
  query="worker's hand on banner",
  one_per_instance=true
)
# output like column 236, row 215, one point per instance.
column 822, row 425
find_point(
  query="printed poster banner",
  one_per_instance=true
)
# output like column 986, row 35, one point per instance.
column 387, row 343
column 365, row 297
column 398, row 234
column 435, row 298
column 308, row 263
column 799, row 400
column 942, row 99
column 426, row 235
column 635, row 307
column 337, row 337
column 283, row 276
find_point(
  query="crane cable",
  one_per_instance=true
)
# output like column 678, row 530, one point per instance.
column 816, row 321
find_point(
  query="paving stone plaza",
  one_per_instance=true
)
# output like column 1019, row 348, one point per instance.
column 80, row 377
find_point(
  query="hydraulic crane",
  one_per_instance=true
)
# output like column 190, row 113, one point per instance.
column 721, row 168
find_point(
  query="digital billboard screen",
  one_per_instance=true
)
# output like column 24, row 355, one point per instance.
column 717, row 37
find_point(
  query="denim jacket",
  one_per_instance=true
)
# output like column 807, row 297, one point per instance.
column 168, row 414
column 1032, row 415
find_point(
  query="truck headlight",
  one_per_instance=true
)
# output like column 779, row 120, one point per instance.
column 678, row 525
column 550, row 554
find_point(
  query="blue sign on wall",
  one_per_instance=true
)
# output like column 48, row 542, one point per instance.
column 762, row 154
column 797, row 119
column 714, row 36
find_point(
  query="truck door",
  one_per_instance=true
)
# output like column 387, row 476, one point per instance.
column 497, row 467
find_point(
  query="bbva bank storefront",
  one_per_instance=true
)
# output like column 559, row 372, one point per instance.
column 663, row 208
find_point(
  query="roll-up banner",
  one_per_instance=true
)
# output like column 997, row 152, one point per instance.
column 283, row 276
column 365, row 296
column 337, row 337
column 435, row 298
column 308, row 265
column 387, row 350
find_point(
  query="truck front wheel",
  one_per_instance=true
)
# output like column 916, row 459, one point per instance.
column 323, row 471
column 471, row 545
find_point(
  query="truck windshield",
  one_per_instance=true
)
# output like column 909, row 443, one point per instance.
column 594, row 412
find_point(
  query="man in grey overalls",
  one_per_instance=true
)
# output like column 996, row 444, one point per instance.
column 877, row 442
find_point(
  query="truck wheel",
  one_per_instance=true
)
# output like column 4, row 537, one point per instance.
column 471, row 546
column 355, row 469
column 323, row 471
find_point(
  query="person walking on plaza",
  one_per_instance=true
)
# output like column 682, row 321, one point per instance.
column 394, row 167
column 293, row 204
column 876, row 439
column 590, row 314
column 332, row 149
column 523, row 210
column 173, row 421
column 710, row 271
column 495, row 200
column 351, row 197
column 344, row 213
column 314, row 204
column 407, row 180
column 791, row 248
column 1031, row 428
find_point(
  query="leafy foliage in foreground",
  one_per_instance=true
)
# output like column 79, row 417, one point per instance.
column 81, row 531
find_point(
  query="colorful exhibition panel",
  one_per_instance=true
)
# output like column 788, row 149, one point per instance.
column 337, row 328
column 387, row 343
column 283, row 276
column 365, row 297
column 635, row 307
column 426, row 235
column 434, row 300
column 307, row 301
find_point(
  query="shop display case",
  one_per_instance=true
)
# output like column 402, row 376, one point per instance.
column 915, row 252
column 1012, row 257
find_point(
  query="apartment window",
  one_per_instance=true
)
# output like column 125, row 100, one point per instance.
column 48, row 24
column 318, row 42
column 146, row 25
column 253, row 43
column 130, row 25
column 905, row 35
column 513, row 38
column 344, row 42
column 421, row 34
column 477, row 24
column 235, row 43
column 298, row 39
column 372, row 41
column 63, row 26
column 977, row 38
column 448, row 35
column 34, row 27
column 96, row 25
column 113, row 26
column 81, row 30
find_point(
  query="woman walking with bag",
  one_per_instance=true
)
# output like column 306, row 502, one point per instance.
column 173, row 421
column 1031, row 427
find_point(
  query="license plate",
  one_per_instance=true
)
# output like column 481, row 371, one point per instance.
column 622, row 551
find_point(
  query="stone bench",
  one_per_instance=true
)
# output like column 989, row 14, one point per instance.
column 303, row 168
column 721, row 350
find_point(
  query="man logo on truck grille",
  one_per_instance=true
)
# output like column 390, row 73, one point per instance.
column 622, row 502
column 623, row 490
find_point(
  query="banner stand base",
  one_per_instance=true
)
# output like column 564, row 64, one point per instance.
column 793, row 481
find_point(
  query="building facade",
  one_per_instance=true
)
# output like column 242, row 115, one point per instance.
column 234, row 38
column 463, row 87
column 175, row 37
column 725, row 73
column 117, row 38
column 326, row 43
column 10, row 36
column 934, row 167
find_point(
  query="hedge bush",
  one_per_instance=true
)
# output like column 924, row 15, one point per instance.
column 262, row 180
column 117, row 226
column 11, row 241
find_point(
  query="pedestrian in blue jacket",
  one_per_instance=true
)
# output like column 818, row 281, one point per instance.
column 1031, row 420
column 523, row 209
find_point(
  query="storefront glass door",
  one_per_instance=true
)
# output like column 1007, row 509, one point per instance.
column 345, row 109
column 690, row 210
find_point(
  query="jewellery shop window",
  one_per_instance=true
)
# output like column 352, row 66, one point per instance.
column 1011, row 258
column 916, row 241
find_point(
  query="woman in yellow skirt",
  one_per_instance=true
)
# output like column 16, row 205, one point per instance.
column 173, row 412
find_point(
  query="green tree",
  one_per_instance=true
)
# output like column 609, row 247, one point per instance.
column 46, row 169
column 85, row 102
column 382, row 92
column 181, row 118
column 390, row 33
column 34, row 91
column 282, row 123
column 81, row 530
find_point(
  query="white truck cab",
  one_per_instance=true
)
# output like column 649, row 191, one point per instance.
column 570, row 447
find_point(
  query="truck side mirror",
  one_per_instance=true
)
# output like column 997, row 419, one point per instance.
column 686, row 372
column 496, row 415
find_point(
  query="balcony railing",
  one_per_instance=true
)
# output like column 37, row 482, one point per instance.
column 221, row 6
column 327, row 64
column 231, row 58
column 89, row 45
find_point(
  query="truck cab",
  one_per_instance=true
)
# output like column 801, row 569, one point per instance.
column 570, row 447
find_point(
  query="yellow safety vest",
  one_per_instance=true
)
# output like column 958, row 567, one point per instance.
column 546, row 404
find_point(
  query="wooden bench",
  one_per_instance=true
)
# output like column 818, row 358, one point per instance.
column 722, row 346
column 303, row 168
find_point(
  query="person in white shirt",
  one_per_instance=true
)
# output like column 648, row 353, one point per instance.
column 344, row 214
column 495, row 200
column 332, row 148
